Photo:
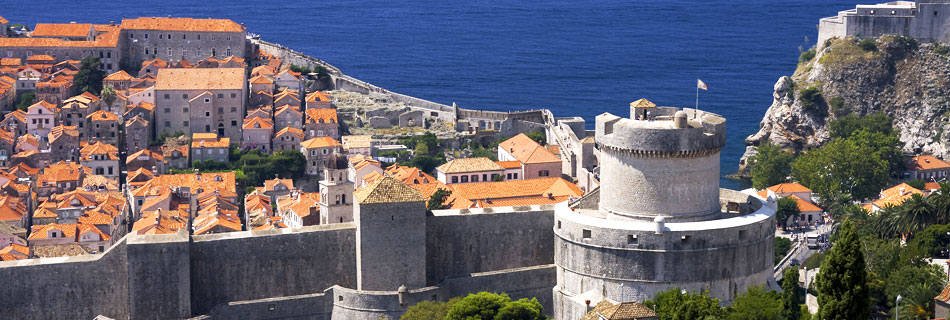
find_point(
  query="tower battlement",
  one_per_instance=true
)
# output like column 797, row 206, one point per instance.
column 662, row 132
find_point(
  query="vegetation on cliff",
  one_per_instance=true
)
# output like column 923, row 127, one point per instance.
column 891, row 75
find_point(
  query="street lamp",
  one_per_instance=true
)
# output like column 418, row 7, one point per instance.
column 897, row 308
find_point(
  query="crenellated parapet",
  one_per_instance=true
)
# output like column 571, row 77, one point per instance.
column 662, row 132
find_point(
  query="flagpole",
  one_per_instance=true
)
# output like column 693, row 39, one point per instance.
column 696, row 109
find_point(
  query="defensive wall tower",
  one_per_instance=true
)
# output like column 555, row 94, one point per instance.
column 659, row 219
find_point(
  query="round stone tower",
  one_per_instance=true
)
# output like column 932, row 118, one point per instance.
column 659, row 219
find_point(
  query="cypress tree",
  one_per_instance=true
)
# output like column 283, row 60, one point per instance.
column 791, row 297
column 842, row 282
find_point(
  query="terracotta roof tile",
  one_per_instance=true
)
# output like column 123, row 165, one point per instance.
column 319, row 96
column 469, row 165
column 258, row 123
column 99, row 148
column 387, row 190
column 182, row 24
column 320, row 142
column 527, row 150
column 62, row 30
column 783, row 188
column 926, row 162
column 103, row 115
column 121, row 75
column 200, row 79
column 327, row 115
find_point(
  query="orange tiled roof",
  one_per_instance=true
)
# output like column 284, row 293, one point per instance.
column 103, row 115
column 182, row 24
column 527, row 150
column 260, row 79
column 409, row 175
column 40, row 59
column 257, row 123
column 107, row 40
column 160, row 222
column 783, row 188
column 10, row 62
column 61, row 30
column 327, row 115
column 300, row 203
column 320, row 142
column 11, row 209
column 509, row 164
column 894, row 196
column 805, row 206
column 469, row 165
column 200, row 79
column 144, row 153
column 121, row 75
column 219, row 143
column 319, row 96
column 289, row 130
column 269, row 185
column 99, row 148
column 926, row 162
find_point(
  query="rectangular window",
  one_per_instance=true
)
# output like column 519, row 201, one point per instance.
column 455, row 179
column 464, row 179
column 207, row 100
column 233, row 123
column 220, row 95
column 184, row 96
column 586, row 234
column 474, row 178
column 233, row 95
column 168, row 123
column 631, row 239
column 167, row 96
column 229, row 52
column 131, row 35
column 484, row 177
column 185, row 109
column 146, row 37
column 169, row 52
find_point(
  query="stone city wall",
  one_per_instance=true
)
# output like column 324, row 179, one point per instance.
column 481, row 240
column 80, row 287
column 262, row 264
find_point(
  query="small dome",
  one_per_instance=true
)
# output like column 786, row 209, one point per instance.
column 336, row 161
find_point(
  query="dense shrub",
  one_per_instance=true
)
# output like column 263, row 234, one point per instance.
column 867, row 45
column 812, row 101
column 806, row 56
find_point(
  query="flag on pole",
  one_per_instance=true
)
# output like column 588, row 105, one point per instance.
column 701, row 85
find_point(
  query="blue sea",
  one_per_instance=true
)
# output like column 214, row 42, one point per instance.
column 573, row 57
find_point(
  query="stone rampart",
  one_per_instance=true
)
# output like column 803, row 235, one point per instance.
column 80, row 287
column 482, row 240
column 261, row 264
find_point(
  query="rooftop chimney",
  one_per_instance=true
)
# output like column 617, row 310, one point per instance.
column 902, row 191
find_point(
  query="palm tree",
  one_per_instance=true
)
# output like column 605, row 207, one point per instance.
column 940, row 200
column 916, row 215
column 918, row 302
column 108, row 95
column 885, row 222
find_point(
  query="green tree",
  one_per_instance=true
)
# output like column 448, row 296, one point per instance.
column 26, row 100
column 844, row 127
column 770, row 166
column 421, row 149
column 90, row 75
column 940, row 201
column 916, row 214
column 902, row 280
column 427, row 310
column 107, row 95
column 791, row 294
column 437, row 200
column 841, row 167
column 917, row 184
column 522, row 309
column 786, row 208
column 933, row 241
column 812, row 101
column 918, row 301
column 782, row 245
column 482, row 305
column 538, row 136
column 842, row 283
column 757, row 303
column 677, row 304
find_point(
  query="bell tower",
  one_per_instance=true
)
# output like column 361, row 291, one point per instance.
column 336, row 191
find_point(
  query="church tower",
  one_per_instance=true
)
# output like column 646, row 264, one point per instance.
column 336, row 191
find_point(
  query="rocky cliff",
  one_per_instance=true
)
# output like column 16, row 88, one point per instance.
column 908, row 81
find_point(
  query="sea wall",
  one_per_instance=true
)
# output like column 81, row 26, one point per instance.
column 463, row 242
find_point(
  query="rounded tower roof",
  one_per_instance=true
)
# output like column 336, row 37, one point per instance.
column 336, row 161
